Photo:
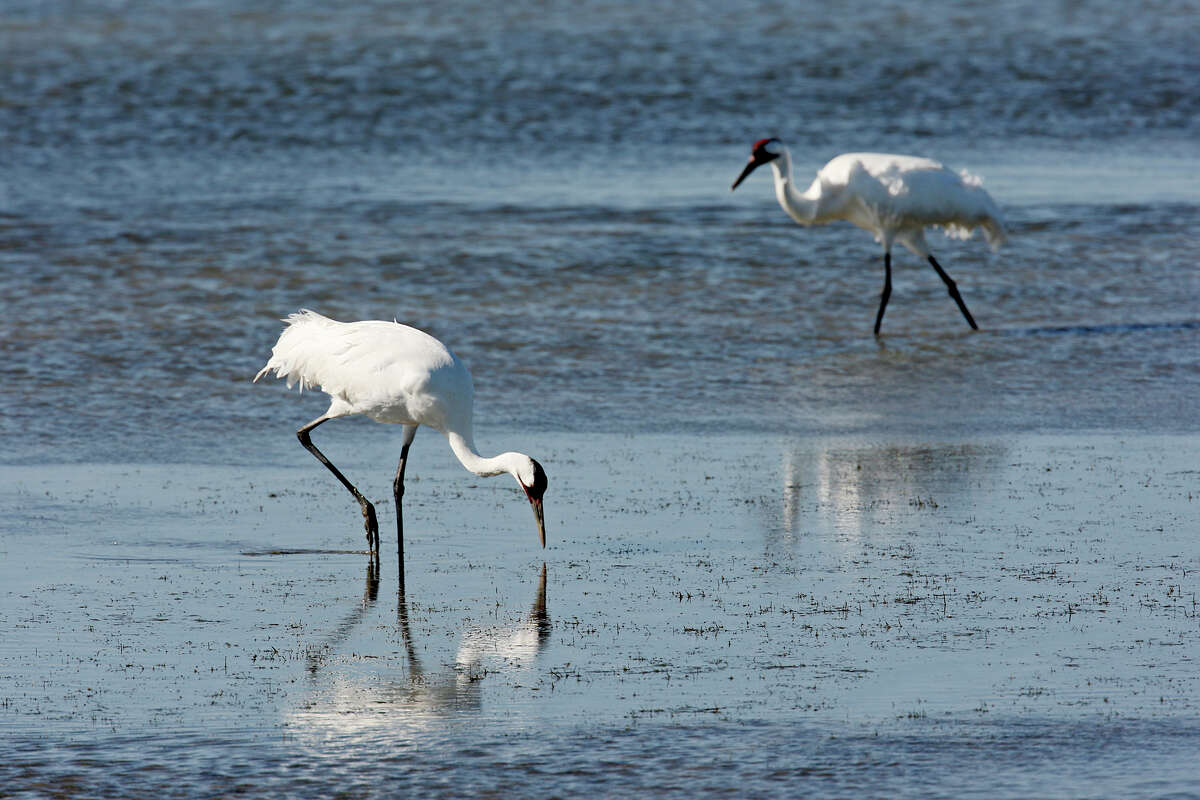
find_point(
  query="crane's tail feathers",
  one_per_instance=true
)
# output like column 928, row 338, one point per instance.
column 993, row 231
column 298, row 355
column 282, row 371
column 985, row 214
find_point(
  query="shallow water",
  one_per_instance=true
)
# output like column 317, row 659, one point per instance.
column 891, row 617
column 546, row 189
column 784, row 556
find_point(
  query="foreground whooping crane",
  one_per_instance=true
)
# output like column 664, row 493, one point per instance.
column 894, row 197
column 398, row 375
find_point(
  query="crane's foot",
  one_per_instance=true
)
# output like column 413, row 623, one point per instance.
column 372, row 526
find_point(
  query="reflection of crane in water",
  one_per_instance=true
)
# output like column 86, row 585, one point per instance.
column 848, row 488
column 483, row 650
column 317, row 656
column 358, row 704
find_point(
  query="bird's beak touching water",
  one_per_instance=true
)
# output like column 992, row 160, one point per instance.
column 539, row 515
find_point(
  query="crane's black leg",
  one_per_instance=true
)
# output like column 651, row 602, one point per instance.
column 398, row 492
column 887, row 289
column 368, row 510
column 953, row 287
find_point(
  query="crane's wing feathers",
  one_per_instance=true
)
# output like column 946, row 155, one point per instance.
column 385, row 370
column 896, row 192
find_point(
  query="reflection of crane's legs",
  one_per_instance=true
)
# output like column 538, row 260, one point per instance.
column 398, row 493
column 953, row 287
column 887, row 289
column 368, row 510
column 318, row 655
column 414, row 666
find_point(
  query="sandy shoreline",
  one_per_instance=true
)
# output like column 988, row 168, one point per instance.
column 844, row 583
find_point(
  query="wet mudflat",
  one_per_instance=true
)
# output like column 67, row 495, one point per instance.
column 939, row 564
column 893, row 616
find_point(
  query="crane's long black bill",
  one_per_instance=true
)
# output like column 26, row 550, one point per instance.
column 539, row 515
column 750, row 167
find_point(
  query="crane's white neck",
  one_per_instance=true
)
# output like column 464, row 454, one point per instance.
column 464, row 448
column 800, row 207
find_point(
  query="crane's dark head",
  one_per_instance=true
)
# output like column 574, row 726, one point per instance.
column 533, row 481
column 764, row 150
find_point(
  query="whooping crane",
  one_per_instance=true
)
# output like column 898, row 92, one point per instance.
column 394, row 374
column 894, row 197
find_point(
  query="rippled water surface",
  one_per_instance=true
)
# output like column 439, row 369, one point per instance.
column 993, row 616
column 545, row 186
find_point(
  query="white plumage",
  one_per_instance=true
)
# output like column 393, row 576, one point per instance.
column 386, row 371
column 894, row 197
column 397, row 375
